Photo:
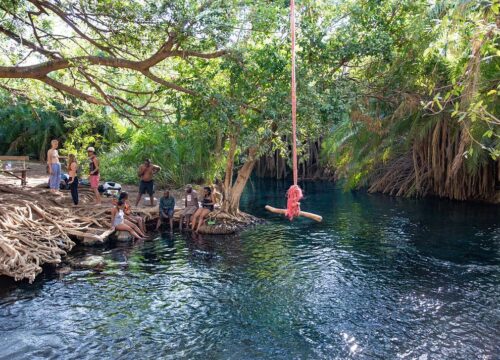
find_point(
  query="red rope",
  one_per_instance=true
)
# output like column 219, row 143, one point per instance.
column 294, row 194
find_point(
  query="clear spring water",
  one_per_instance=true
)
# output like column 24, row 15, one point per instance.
column 379, row 278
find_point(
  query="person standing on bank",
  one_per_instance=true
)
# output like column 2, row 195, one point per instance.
column 73, row 177
column 146, row 172
column 54, row 166
column 94, row 174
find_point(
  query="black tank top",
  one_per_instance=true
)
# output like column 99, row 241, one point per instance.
column 92, row 166
column 207, row 203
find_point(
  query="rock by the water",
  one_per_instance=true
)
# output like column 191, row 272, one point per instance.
column 91, row 261
column 123, row 236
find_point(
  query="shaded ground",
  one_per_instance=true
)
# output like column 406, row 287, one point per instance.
column 37, row 176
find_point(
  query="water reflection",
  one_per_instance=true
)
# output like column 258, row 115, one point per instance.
column 379, row 278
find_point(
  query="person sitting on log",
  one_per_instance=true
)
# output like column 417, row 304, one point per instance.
column 136, row 219
column 118, row 220
column 167, row 206
column 191, row 205
column 146, row 172
column 207, row 206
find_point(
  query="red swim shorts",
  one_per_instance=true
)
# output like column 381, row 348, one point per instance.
column 94, row 181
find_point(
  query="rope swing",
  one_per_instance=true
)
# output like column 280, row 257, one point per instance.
column 294, row 193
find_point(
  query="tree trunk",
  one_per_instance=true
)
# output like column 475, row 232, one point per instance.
column 228, row 176
column 232, row 194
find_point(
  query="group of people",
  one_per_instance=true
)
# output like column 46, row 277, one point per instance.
column 54, row 169
column 122, row 218
column 193, row 214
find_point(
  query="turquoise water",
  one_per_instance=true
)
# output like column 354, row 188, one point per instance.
column 380, row 278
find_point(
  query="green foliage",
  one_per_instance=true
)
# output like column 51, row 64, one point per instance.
column 27, row 127
column 183, row 152
column 433, row 62
column 373, row 78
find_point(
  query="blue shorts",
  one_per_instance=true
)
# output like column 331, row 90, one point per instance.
column 170, row 213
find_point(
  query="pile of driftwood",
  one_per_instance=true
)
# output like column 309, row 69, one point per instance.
column 36, row 226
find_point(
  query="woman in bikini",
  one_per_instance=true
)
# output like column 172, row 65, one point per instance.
column 118, row 220
column 134, row 221
column 207, row 206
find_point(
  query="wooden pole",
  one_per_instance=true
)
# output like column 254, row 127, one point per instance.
column 308, row 215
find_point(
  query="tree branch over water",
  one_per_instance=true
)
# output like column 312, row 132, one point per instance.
column 76, row 47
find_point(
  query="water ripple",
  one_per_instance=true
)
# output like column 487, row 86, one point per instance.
column 377, row 279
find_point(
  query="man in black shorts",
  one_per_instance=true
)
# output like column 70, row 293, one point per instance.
column 146, row 172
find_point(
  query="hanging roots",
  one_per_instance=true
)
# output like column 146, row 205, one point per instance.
column 429, row 169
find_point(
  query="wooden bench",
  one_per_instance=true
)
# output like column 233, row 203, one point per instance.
column 22, row 170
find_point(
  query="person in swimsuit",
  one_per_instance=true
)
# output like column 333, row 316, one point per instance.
column 73, row 178
column 146, row 172
column 54, row 166
column 118, row 220
column 94, row 174
column 134, row 221
column 207, row 206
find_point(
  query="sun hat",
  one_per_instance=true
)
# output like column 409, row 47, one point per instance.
column 188, row 186
column 90, row 148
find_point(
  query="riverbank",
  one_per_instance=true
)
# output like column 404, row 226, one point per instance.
column 40, row 227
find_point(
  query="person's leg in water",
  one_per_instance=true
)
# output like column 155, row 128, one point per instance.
column 140, row 223
column 125, row 227
column 203, row 214
column 137, row 220
column 160, row 220
column 195, row 218
column 135, row 228
column 171, row 219
column 181, row 219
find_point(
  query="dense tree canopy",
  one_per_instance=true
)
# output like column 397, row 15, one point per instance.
column 402, row 95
